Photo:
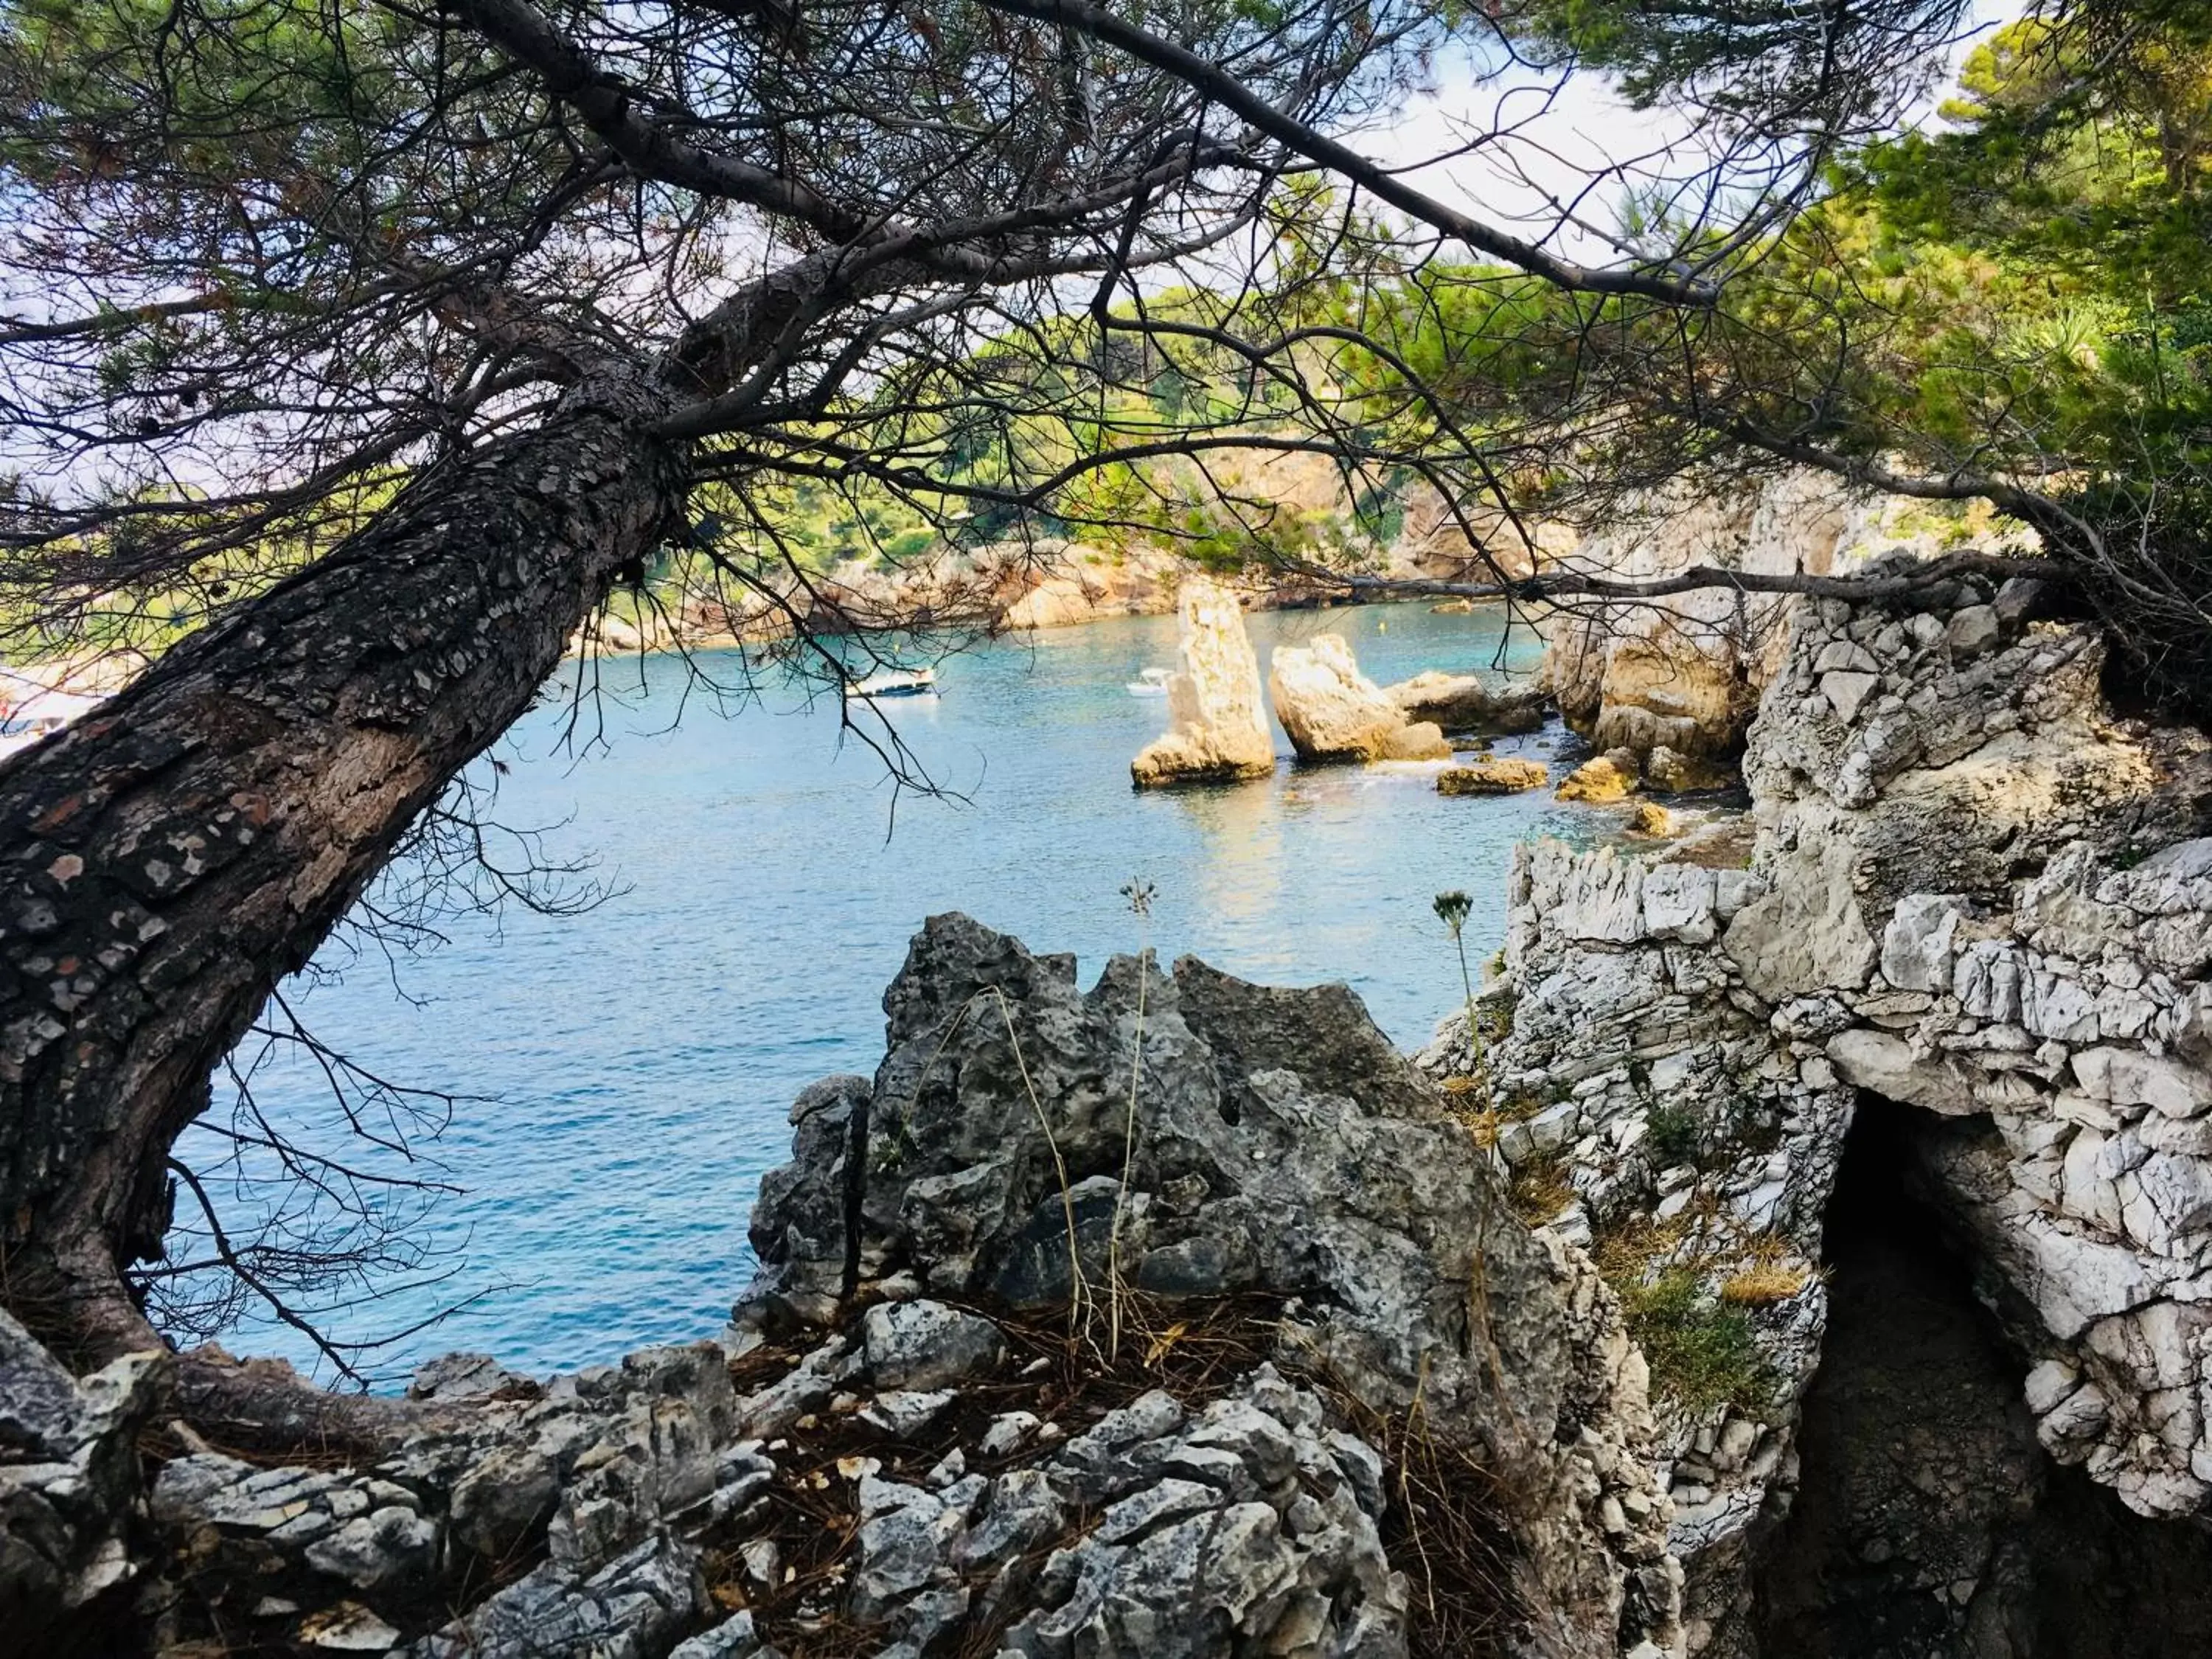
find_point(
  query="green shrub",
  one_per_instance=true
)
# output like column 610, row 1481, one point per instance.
column 1702, row 1354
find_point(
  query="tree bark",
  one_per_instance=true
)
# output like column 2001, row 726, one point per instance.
column 168, row 860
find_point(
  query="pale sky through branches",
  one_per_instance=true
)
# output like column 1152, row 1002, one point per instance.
column 1517, row 152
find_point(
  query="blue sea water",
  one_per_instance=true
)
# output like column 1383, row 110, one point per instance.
column 627, row 1071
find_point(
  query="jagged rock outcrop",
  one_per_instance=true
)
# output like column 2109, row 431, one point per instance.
column 995, row 1137
column 1687, row 674
column 70, row 1495
column 1023, row 1373
column 1331, row 711
column 1217, row 724
column 1975, row 891
column 1644, row 1112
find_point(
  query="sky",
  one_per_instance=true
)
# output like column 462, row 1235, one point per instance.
column 1563, row 137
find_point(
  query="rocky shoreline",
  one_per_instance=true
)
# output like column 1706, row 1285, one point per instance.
column 1181, row 1317
column 1017, row 1362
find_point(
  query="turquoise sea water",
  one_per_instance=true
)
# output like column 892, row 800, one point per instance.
column 630, row 1068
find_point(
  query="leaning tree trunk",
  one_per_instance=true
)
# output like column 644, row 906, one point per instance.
column 169, row 859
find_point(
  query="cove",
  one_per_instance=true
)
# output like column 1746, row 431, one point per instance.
column 627, row 1073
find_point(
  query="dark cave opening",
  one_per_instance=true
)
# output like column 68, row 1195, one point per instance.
column 1929, row 1523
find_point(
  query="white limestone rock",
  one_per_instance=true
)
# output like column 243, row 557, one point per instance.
column 1217, row 724
column 1331, row 711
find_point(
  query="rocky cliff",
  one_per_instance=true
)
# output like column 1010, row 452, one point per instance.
column 1687, row 673
column 1176, row 1316
column 1977, row 896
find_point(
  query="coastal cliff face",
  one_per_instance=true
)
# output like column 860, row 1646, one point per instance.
column 1687, row 673
column 1979, row 902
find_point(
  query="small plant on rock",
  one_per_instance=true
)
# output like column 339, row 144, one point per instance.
column 1703, row 1354
column 1671, row 1131
column 1138, row 893
column 1453, row 910
column 1539, row 1188
column 1765, row 1284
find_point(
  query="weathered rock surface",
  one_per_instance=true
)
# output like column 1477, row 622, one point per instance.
column 70, row 1483
column 1331, row 711
column 1928, row 1519
column 1688, row 674
column 1493, row 777
column 1463, row 702
column 1600, row 782
column 1405, row 1276
column 1218, row 725
column 1674, row 773
column 1975, row 891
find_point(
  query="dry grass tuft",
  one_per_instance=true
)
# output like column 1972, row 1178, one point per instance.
column 1539, row 1188
column 1768, row 1282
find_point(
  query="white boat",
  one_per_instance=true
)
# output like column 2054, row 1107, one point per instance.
column 1152, row 682
column 895, row 682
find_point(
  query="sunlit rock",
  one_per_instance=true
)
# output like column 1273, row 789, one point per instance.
column 1333, row 712
column 1217, row 724
column 1493, row 777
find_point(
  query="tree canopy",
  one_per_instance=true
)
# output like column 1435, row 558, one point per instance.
column 355, row 352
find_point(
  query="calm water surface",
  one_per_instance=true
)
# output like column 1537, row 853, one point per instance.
column 634, row 1064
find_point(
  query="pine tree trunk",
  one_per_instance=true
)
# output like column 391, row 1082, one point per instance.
column 172, row 856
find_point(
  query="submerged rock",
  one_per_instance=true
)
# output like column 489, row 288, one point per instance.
column 1218, row 725
column 1493, row 777
column 1331, row 711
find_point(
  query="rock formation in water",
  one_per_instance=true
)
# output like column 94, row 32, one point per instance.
column 1217, row 724
column 1672, row 773
column 1332, row 712
column 1462, row 702
column 1602, row 781
column 1493, row 777
column 1976, row 893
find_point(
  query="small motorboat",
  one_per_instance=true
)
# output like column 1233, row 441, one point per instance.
column 895, row 682
column 1152, row 682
